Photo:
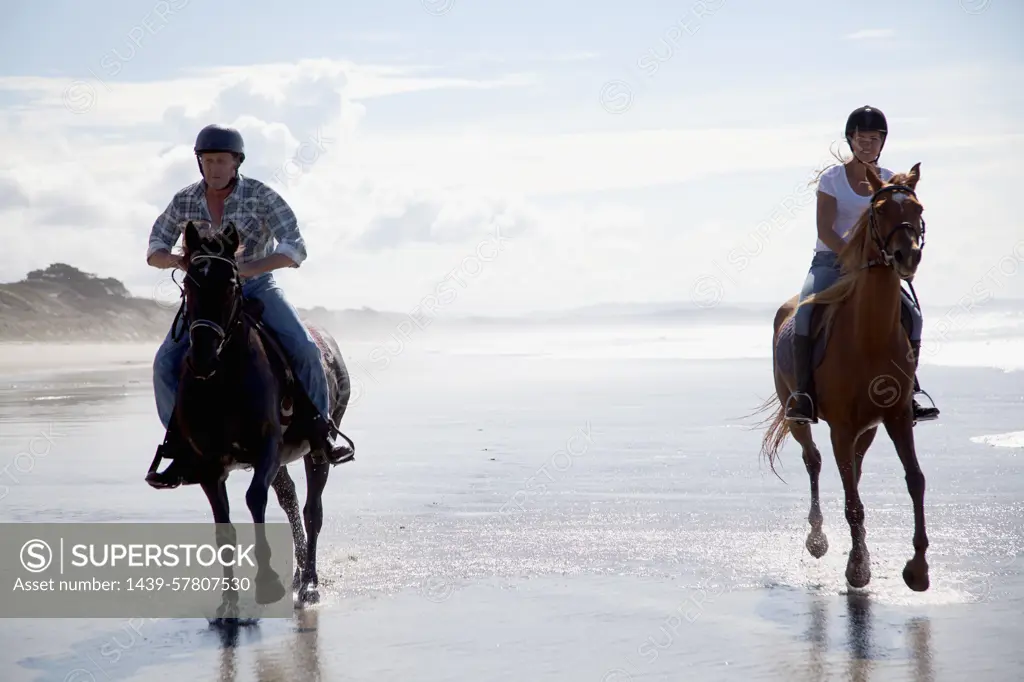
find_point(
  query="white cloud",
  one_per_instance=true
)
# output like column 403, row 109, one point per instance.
column 390, row 215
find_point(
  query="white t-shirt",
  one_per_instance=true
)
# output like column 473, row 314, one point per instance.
column 849, row 204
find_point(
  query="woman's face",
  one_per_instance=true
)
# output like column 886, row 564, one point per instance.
column 867, row 145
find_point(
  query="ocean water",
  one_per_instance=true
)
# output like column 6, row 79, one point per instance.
column 573, row 502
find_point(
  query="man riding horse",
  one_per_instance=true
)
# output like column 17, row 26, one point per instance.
column 260, row 215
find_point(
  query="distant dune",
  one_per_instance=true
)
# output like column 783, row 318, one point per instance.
column 64, row 304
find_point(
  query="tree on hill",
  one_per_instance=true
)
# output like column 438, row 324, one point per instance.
column 84, row 283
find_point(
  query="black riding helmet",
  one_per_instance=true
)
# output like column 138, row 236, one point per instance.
column 216, row 138
column 866, row 118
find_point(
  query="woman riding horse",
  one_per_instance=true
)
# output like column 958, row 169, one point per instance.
column 843, row 195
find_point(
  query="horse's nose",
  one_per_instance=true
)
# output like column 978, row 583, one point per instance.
column 909, row 258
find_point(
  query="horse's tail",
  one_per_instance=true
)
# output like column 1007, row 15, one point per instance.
column 778, row 429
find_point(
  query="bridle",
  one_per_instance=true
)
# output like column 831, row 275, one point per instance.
column 223, row 333
column 883, row 245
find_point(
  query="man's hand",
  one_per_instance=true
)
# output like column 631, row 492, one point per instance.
column 246, row 270
column 272, row 262
column 165, row 259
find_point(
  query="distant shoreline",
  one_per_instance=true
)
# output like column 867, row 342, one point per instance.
column 18, row 358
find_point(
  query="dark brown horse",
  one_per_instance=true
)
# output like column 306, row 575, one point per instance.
column 238, row 408
column 866, row 370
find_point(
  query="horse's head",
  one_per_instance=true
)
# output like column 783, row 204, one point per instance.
column 213, row 296
column 895, row 222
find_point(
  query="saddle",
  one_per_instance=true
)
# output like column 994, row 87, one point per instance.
column 292, row 395
column 819, row 338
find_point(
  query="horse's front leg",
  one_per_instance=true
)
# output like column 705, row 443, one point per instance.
column 901, row 430
column 217, row 494
column 269, row 588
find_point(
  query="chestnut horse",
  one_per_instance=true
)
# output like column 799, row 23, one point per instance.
column 865, row 368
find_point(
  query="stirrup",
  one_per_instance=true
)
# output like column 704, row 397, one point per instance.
column 325, row 451
column 163, row 480
column 340, row 454
column 795, row 395
column 924, row 414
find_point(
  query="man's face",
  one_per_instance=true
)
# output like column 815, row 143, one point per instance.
column 218, row 168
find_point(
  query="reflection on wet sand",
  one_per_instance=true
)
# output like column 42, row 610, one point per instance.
column 857, row 654
column 296, row 658
column 817, row 633
column 919, row 632
column 858, row 636
column 861, row 648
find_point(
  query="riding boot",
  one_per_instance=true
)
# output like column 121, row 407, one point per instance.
column 320, row 441
column 177, row 473
column 800, row 407
column 921, row 414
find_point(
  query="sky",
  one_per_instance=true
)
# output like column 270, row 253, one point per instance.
column 522, row 156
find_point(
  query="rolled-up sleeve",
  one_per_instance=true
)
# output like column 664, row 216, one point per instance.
column 284, row 226
column 166, row 229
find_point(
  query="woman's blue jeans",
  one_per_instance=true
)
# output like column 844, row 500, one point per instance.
column 823, row 273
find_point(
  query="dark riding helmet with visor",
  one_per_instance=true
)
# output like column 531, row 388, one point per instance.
column 866, row 119
column 216, row 138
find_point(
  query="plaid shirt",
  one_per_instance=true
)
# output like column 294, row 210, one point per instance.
column 259, row 213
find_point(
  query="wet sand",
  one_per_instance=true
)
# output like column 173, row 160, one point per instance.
column 660, row 549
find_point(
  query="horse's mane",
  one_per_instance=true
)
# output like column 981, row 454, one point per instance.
column 853, row 256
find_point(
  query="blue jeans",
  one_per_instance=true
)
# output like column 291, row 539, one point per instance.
column 281, row 317
column 823, row 273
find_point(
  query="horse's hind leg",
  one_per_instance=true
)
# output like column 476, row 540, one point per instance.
column 817, row 543
column 313, row 513
column 284, row 487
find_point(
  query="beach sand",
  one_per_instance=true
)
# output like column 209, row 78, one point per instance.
column 35, row 358
column 659, row 547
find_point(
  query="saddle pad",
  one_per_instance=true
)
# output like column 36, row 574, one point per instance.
column 326, row 355
column 784, row 347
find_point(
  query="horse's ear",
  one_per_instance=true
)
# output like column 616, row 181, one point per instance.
column 192, row 238
column 914, row 176
column 874, row 179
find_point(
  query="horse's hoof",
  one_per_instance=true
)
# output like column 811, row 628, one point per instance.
column 229, row 623
column 309, row 595
column 817, row 544
column 915, row 575
column 858, row 574
column 269, row 589
column 225, row 623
